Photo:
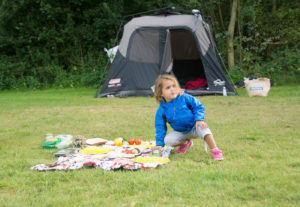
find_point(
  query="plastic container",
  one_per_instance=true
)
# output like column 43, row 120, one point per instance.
column 166, row 152
column 62, row 145
column 51, row 144
column 65, row 137
column 156, row 153
column 224, row 91
column 66, row 140
column 49, row 136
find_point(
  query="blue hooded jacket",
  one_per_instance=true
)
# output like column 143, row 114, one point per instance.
column 181, row 113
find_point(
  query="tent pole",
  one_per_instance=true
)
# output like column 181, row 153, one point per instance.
column 161, row 9
column 108, row 59
column 150, row 11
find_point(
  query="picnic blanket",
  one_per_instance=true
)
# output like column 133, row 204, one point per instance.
column 112, row 160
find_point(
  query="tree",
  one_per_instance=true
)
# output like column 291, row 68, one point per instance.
column 231, row 28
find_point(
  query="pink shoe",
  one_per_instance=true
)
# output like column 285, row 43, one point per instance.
column 182, row 149
column 216, row 154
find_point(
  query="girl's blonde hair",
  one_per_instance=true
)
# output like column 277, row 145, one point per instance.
column 159, row 85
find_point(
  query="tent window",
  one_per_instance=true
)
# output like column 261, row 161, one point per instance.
column 184, row 45
column 144, row 47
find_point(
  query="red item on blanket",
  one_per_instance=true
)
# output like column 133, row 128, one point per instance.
column 200, row 82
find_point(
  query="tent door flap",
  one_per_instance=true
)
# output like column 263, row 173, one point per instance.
column 167, row 60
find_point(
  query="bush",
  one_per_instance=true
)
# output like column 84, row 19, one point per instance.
column 237, row 74
column 53, row 43
column 16, row 75
column 283, row 67
column 11, row 73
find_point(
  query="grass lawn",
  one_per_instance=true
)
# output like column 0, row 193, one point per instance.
column 259, row 136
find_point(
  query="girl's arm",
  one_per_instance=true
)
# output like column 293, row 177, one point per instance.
column 196, row 107
column 161, row 127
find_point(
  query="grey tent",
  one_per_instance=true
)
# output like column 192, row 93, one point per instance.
column 181, row 45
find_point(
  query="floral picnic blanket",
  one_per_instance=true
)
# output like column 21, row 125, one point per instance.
column 107, row 161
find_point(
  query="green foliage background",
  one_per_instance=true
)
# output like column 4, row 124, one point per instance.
column 60, row 43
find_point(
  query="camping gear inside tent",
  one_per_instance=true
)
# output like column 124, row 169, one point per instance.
column 180, row 44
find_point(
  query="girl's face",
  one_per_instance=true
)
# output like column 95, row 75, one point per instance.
column 169, row 90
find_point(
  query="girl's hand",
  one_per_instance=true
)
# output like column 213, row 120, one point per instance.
column 160, row 148
column 201, row 124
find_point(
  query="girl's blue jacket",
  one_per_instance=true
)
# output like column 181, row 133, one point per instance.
column 181, row 113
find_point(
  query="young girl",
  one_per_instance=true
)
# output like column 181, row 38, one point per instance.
column 184, row 113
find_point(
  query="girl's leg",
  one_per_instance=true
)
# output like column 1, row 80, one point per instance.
column 180, row 143
column 216, row 153
column 207, row 136
column 175, row 138
column 210, row 141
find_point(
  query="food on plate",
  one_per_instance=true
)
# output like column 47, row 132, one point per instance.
column 95, row 150
column 135, row 151
column 131, row 151
column 127, row 151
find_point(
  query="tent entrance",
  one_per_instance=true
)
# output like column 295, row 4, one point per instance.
column 187, row 64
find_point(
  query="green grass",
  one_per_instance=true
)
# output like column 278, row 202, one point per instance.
column 259, row 136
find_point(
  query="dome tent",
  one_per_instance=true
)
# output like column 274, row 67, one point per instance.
column 177, row 44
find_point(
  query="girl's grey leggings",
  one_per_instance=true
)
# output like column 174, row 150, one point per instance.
column 175, row 137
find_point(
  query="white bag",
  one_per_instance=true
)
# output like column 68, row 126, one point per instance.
column 258, row 87
column 111, row 53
